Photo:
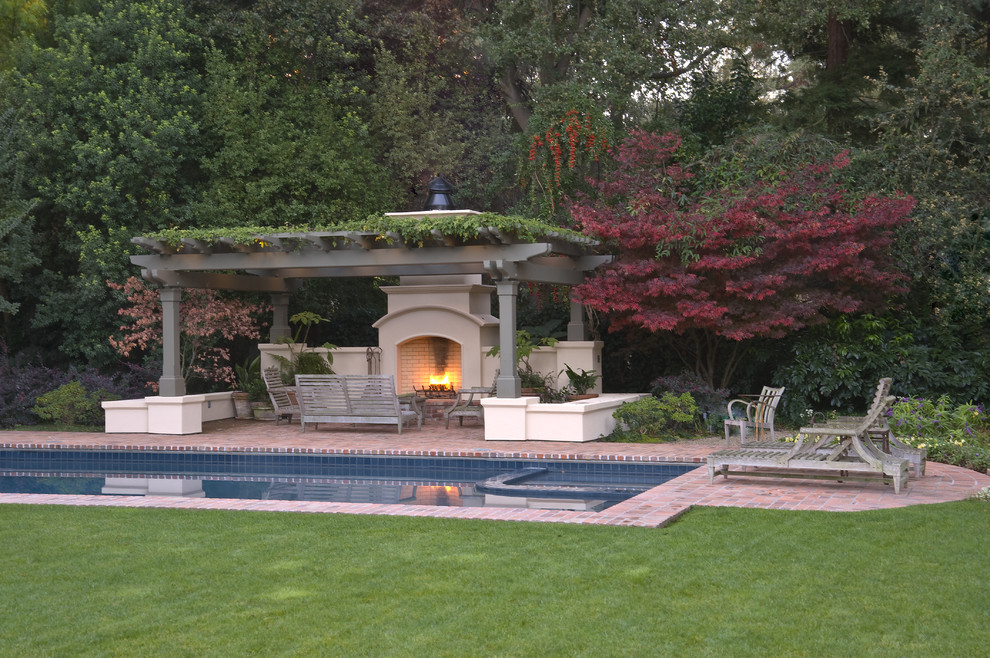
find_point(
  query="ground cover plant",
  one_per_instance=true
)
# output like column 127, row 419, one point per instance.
column 950, row 433
column 105, row 581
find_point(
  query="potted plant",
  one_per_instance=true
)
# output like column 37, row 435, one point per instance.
column 531, row 380
column 302, row 359
column 581, row 382
column 249, row 388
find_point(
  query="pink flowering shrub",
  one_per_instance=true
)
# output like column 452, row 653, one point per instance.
column 209, row 325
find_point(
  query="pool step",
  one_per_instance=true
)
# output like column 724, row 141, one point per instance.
column 518, row 483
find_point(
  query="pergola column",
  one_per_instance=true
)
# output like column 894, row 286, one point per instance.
column 280, row 317
column 577, row 328
column 171, row 384
column 508, row 384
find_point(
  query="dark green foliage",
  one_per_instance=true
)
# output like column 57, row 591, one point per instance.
column 350, row 307
column 291, row 152
column 719, row 106
column 16, row 254
column 654, row 418
column 836, row 367
column 110, row 116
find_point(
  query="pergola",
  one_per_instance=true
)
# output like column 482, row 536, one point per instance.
column 277, row 263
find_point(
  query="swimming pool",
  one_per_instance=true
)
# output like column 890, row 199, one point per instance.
column 448, row 481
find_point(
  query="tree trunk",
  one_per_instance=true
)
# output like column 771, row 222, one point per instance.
column 838, row 43
column 514, row 98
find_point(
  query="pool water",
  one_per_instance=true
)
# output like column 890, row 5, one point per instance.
column 461, row 482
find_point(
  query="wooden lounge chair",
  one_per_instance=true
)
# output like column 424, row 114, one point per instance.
column 838, row 453
column 282, row 396
column 881, row 434
column 353, row 399
column 757, row 413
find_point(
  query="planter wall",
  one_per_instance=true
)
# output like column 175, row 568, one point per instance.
column 528, row 419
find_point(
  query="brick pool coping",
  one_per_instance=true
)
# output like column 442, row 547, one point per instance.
column 654, row 508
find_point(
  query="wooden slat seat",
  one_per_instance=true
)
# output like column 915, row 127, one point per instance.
column 353, row 399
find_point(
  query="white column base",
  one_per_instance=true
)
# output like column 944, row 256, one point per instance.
column 182, row 414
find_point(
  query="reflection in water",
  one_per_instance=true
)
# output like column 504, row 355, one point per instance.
column 329, row 490
column 182, row 487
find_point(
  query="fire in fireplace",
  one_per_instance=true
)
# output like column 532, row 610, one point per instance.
column 438, row 387
column 430, row 366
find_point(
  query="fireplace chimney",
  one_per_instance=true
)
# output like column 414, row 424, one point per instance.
column 439, row 195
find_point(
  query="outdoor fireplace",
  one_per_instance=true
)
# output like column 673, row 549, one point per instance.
column 437, row 326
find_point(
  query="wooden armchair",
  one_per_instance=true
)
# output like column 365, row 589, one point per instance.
column 755, row 412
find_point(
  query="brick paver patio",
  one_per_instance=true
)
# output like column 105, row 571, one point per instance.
column 654, row 508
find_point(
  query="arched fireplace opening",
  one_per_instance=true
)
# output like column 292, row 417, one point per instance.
column 429, row 365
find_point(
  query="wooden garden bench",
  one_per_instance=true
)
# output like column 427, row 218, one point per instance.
column 353, row 399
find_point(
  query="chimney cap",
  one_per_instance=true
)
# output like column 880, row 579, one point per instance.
column 439, row 195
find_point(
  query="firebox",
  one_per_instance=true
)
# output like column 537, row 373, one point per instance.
column 430, row 365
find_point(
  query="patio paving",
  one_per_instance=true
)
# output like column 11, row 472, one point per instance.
column 654, row 508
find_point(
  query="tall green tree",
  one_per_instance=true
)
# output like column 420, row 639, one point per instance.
column 110, row 118
column 934, row 142
column 610, row 61
column 286, row 111
column 18, row 18
column 16, row 255
column 435, row 106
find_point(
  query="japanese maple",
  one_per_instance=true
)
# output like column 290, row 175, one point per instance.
column 209, row 324
column 716, row 267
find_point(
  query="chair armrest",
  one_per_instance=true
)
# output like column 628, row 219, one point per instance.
column 748, row 405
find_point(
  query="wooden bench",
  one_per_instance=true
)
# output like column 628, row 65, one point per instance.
column 352, row 399
column 837, row 453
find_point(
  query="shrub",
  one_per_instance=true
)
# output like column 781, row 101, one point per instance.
column 23, row 380
column 70, row 404
column 653, row 418
column 711, row 402
column 951, row 434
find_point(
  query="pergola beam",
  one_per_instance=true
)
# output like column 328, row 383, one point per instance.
column 218, row 281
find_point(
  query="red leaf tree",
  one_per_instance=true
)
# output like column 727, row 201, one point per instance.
column 717, row 267
column 208, row 324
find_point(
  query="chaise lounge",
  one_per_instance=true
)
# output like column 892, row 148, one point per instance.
column 835, row 453
column 280, row 395
column 881, row 434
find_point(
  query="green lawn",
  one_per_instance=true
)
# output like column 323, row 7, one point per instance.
column 726, row 582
